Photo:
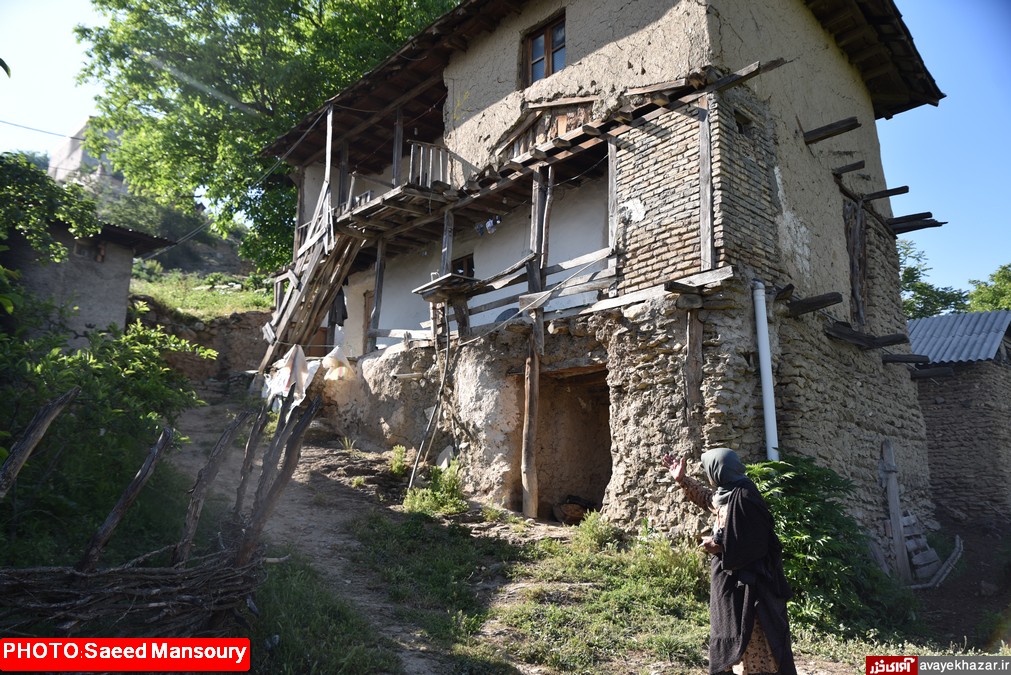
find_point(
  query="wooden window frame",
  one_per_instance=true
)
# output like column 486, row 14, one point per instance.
column 545, row 30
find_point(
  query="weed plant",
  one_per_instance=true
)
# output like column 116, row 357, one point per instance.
column 443, row 496
column 398, row 463
column 826, row 554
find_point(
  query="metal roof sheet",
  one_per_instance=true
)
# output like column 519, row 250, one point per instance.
column 954, row 338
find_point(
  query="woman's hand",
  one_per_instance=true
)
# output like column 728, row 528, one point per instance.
column 676, row 466
column 710, row 546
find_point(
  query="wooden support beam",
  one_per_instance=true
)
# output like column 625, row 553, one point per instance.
column 916, row 225
column 697, row 281
column 855, row 166
column 679, row 287
column 830, row 130
column 843, row 331
column 447, row 244
column 807, row 305
column 881, row 194
column 528, row 456
column 398, row 146
column 910, row 218
column 940, row 371
column 905, row 358
column 377, row 298
column 891, row 471
column 707, row 242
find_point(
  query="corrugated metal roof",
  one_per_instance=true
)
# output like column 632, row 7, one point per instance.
column 954, row 338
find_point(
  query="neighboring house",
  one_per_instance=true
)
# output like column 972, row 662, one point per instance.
column 642, row 187
column 93, row 281
column 968, row 413
column 72, row 163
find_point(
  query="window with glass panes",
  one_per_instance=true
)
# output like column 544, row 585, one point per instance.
column 546, row 50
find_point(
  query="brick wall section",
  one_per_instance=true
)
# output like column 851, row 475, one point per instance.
column 657, row 183
column 969, row 438
column 745, row 202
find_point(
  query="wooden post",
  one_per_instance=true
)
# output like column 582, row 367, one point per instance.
column 447, row 244
column 612, row 193
column 890, row 471
column 104, row 533
column 205, row 478
column 377, row 299
column 398, row 146
column 23, row 448
column 528, row 459
column 706, row 239
column 536, row 265
column 343, row 178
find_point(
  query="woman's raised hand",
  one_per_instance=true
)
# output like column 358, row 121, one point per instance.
column 676, row 466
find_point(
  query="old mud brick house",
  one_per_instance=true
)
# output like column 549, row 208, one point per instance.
column 595, row 197
column 964, row 386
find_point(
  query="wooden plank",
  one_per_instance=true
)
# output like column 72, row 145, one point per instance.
column 890, row 340
column 612, row 194
column 699, row 279
column 910, row 218
column 535, row 269
column 585, row 284
column 881, row 194
column 905, row 358
column 916, row 225
column 585, row 259
column 830, row 130
column 401, row 333
column 398, row 146
column 628, row 299
column 557, row 103
column 707, row 246
column 459, row 304
column 661, row 86
column 495, row 304
column 807, row 305
column 847, row 168
column 890, row 470
column 841, row 330
column 924, row 373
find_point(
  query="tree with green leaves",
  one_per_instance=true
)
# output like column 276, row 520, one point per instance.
column 920, row 298
column 194, row 92
column 992, row 294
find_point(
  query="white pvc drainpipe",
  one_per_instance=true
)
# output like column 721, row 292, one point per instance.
column 765, row 370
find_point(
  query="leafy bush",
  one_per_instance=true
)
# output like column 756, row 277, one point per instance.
column 93, row 449
column 826, row 553
column 443, row 496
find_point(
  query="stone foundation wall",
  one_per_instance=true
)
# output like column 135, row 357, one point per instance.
column 969, row 436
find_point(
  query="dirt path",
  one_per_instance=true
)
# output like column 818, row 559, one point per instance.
column 314, row 517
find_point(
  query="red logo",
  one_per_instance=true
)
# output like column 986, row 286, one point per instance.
column 892, row 664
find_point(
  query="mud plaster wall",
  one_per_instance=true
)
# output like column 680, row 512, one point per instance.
column 378, row 407
column 969, row 435
column 609, row 47
column 817, row 87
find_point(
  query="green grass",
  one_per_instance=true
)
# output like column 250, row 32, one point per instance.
column 204, row 297
column 304, row 629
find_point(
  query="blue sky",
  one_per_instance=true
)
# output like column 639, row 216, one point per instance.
column 955, row 158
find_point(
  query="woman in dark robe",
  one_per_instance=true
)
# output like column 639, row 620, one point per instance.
column 749, row 632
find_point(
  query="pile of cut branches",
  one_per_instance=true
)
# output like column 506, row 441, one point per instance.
column 205, row 595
